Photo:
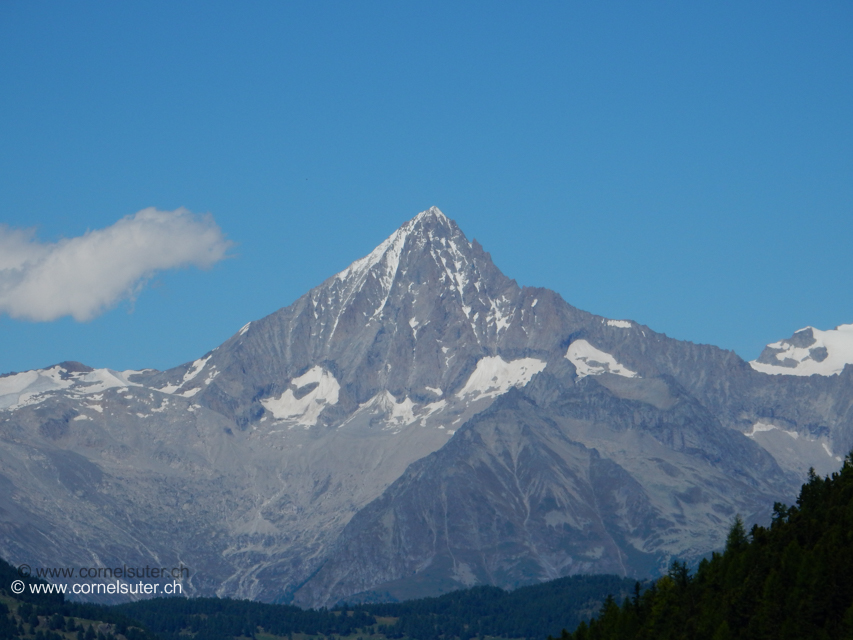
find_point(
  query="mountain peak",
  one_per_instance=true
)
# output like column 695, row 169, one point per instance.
column 426, row 290
column 429, row 248
column 387, row 254
column 433, row 213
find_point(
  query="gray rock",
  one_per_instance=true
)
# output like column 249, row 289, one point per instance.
column 414, row 424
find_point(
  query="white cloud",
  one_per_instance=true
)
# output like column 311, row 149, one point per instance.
column 81, row 277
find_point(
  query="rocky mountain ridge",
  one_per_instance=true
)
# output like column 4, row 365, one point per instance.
column 416, row 423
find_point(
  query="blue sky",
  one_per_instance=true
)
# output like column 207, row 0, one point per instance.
column 685, row 165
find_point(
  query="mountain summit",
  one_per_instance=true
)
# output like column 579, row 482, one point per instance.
column 427, row 255
column 426, row 304
column 416, row 423
column 808, row 352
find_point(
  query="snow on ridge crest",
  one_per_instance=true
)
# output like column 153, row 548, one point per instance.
column 590, row 361
column 622, row 324
column 808, row 352
column 33, row 387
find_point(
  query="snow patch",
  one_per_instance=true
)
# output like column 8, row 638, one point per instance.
column 245, row 329
column 590, row 361
column 495, row 376
column 622, row 324
column 191, row 373
column 398, row 414
column 431, row 408
column 500, row 319
column 758, row 427
column 102, row 379
column 162, row 407
column 306, row 409
column 795, row 451
column 195, row 369
column 436, row 391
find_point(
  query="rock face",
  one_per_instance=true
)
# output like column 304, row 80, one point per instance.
column 416, row 423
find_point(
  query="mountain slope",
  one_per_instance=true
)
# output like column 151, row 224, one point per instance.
column 560, row 441
column 789, row 580
column 558, row 478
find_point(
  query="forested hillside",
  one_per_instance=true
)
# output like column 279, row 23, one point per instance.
column 529, row 612
column 792, row 580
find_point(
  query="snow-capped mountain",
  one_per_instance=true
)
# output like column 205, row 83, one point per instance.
column 417, row 422
column 808, row 352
